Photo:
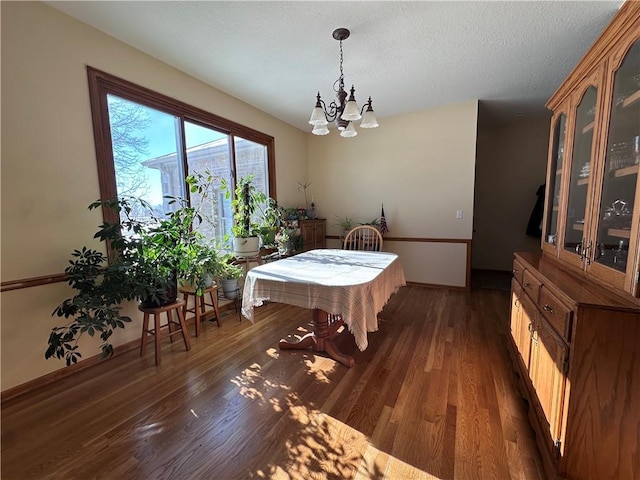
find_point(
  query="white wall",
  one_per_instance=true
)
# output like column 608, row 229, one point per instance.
column 421, row 166
column 512, row 163
column 49, row 172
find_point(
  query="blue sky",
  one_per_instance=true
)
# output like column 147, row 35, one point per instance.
column 161, row 132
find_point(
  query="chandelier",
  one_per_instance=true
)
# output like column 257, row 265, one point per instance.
column 342, row 113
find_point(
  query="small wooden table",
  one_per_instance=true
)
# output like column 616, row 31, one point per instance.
column 342, row 287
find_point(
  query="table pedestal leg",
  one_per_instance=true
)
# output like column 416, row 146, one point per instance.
column 325, row 329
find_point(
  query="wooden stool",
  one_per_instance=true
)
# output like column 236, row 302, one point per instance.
column 200, row 305
column 156, row 332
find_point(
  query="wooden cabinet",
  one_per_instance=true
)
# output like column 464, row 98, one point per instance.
column 525, row 329
column 540, row 353
column 575, row 314
column 313, row 234
column 576, row 349
column 592, row 210
column 547, row 371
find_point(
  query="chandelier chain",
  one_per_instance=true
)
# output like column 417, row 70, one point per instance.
column 341, row 73
column 339, row 83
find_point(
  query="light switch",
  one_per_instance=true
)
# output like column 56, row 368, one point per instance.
column 458, row 213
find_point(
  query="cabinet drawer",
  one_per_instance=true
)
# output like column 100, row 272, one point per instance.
column 557, row 313
column 517, row 271
column 531, row 285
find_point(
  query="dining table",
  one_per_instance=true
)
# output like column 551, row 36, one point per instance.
column 342, row 287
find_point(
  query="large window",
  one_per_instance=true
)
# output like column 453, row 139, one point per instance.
column 146, row 144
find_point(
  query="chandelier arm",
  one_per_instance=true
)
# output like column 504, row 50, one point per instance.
column 365, row 106
column 332, row 112
column 340, row 83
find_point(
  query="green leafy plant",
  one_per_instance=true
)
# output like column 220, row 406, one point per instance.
column 272, row 219
column 245, row 203
column 203, row 261
column 273, row 215
column 344, row 223
column 228, row 269
column 373, row 222
column 148, row 254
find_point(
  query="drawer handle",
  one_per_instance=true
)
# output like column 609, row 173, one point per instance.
column 528, row 285
column 549, row 309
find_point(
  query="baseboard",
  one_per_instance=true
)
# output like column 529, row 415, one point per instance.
column 36, row 383
column 435, row 285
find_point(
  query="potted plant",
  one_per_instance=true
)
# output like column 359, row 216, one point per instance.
column 147, row 254
column 344, row 224
column 271, row 222
column 289, row 241
column 147, row 257
column 245, row 203
column 203, row 265
column 228, row 275
column 303, row 186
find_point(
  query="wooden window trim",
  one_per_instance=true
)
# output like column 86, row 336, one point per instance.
column 102, row 83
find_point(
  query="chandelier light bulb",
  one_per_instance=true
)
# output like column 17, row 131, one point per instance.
column 317, row 115
column 349, row 132
column 320, row 130
column 369, row 119
column 351, row 110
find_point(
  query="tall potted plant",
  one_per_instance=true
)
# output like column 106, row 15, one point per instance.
column 245, row 203
column 148, row 254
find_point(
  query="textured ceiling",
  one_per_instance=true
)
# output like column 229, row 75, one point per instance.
column 408, row 56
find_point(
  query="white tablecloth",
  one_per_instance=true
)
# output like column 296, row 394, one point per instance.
column 354, row 284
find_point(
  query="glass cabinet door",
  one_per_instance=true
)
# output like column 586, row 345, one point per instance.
column 621, row 166
column 580, row 172
column 555, row 180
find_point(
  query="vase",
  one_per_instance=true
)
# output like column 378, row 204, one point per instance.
column 230, row 288
column 246, row 246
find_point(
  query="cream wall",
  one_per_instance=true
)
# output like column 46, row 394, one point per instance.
column 512, row 163
column 421, row 166
column 49, row 171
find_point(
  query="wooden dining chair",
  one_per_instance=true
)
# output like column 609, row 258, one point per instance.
column 363, row 237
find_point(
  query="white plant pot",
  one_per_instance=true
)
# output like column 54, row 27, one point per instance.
column 230, row 288
column 246, row 247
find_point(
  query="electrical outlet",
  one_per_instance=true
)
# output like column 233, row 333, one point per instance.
column 458, row 214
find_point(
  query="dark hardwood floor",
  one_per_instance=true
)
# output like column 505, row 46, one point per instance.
column 431, row 397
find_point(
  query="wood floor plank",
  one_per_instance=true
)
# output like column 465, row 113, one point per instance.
column 432, row 397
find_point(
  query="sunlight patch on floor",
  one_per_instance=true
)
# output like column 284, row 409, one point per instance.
column 320, row 367
column 309, row 444
column 323, row 447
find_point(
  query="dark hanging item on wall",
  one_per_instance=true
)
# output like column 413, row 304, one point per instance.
column 534, row 227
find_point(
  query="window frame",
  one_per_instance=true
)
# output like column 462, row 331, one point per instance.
column 101, row 84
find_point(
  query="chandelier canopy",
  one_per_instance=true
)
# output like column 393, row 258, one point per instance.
column 342, row 112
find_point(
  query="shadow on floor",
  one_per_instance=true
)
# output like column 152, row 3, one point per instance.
column 491, row 279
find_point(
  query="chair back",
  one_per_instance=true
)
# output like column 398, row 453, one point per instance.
column 363, row 237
